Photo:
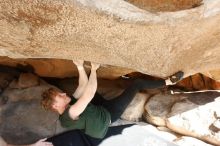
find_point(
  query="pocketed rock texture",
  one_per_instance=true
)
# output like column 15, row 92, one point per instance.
column 113, row 33
column 188, row 114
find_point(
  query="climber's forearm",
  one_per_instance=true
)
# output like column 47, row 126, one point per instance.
column 83, row 80
column 88, row 94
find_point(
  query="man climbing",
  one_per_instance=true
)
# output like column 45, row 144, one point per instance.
column 76, row 111
column 74, row 138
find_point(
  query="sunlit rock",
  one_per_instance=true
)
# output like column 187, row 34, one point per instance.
column 195, row 116
column 135, row 109
column 157, row 108
column 190, row 141
column 115, row 33
column 188, row 114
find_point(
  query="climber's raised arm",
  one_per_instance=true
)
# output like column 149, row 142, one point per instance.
column 89, row 92
column 83, row 79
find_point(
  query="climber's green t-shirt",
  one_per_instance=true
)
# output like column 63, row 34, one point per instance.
column 94, row 120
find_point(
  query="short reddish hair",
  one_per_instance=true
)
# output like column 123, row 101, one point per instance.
column 48, row 98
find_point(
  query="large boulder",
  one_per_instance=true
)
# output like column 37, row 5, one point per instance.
column 22, row 118
column 157, row 108
column 195, row 115
column 113, row 33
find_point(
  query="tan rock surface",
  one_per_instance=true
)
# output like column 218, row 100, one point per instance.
column 187, row 114
column 135, row 109
column 28, row 80
column 214, row 74
column 155, row 44
column 199, row 82
column 60, row 68
column 166, row 5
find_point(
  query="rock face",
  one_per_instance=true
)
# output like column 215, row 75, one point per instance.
column 44, row 35
column 21, row 107
column 155, row 44
column 60, row 68
column 190, row 141
column 20, row 111
column 198, row 82
column 23, row 113
column 24, row 118
column 195, row 118
column 214, row 74
column 135, row 109
column 166, row 5
column 157, row 108
column 188, row 114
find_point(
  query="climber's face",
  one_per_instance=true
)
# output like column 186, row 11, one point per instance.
column 60, row 102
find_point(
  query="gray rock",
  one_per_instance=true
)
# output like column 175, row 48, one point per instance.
column 23, row 120
column 157, row 108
